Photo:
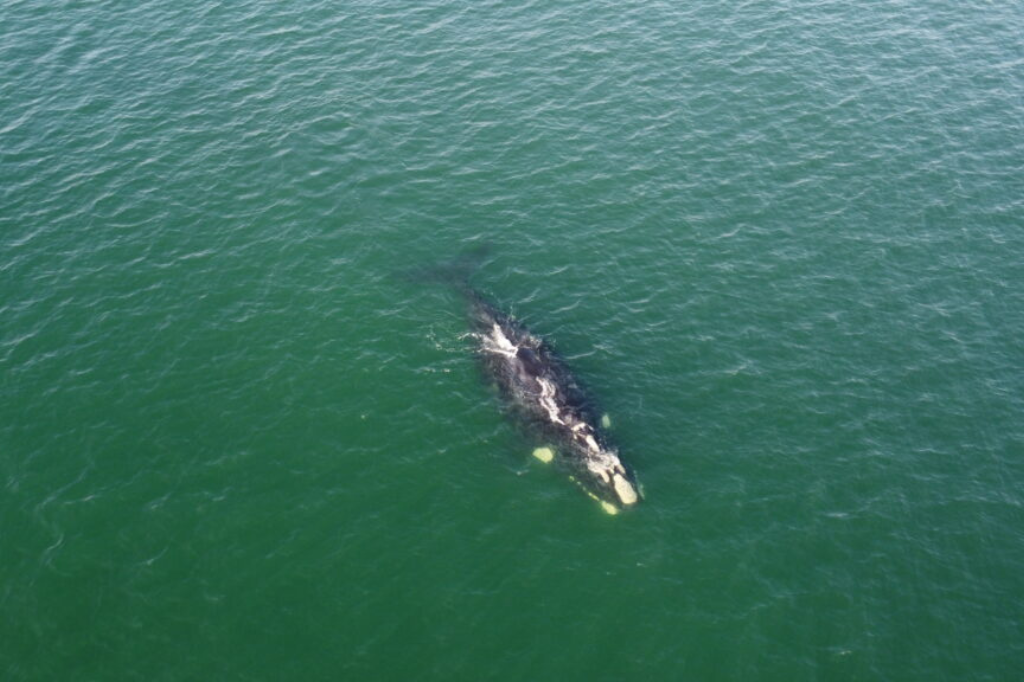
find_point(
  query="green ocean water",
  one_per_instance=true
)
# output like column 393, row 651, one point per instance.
column 781, row 243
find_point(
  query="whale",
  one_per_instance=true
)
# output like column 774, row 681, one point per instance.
column 536, row 383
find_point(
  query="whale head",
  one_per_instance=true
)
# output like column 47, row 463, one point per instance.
column 610, row 482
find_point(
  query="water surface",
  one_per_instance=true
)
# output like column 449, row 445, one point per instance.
column 779, row 242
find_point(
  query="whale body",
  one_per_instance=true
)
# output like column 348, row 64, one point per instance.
column 537, row 384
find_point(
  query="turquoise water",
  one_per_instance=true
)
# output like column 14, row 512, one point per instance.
column 780, row 242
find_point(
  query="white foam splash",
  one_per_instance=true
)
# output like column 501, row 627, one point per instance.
column 497, row 342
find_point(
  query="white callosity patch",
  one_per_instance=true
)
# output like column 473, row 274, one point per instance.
column 624, row 489
column 607, row 466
